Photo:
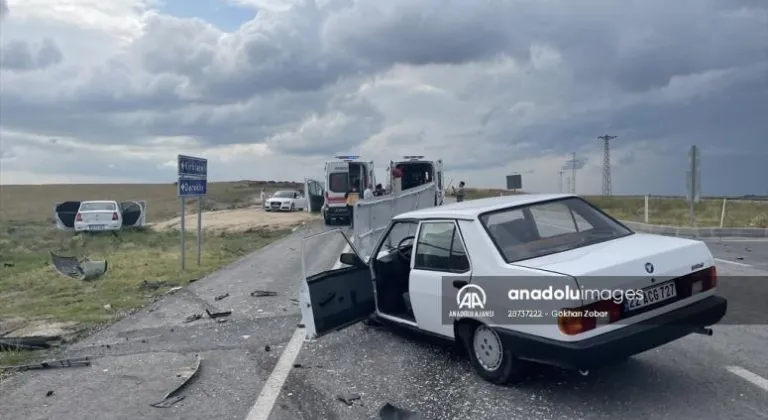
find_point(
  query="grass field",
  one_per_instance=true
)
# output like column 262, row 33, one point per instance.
column 669, row 211
column 32, row 292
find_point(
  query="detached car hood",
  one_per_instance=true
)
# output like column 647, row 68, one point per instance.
column 636, row 255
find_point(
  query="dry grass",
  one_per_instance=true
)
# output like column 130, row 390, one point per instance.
column 36, row 202
column 669, row 211
column 31, row 289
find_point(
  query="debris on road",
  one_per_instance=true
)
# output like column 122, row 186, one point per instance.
column 52, row 364
column 169, row 402
column 348, row 398
column 173, row 290
column 187, row 375
column 49, row 393
column 193, row 318
column 267, row 348
column 28, row 343
column 220, row 297
column 263, row 293
column 390, row 412
column 84, row 269
column 215, row 315
column 150, row 286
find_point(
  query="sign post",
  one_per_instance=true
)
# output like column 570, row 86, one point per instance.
column 693, row 184
column 192, row 182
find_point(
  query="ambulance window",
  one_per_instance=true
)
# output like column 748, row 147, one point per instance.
column 337, row 182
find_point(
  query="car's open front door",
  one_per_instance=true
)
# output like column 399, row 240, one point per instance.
column 334, row 294
column 134, row 213
column 64, row 214
column 313, row 191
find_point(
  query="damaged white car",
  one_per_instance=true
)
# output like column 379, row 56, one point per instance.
column 514, row 280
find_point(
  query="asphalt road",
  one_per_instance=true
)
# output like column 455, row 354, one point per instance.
column 137, row 361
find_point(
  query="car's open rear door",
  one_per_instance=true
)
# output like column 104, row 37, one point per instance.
column 134, row 213
column 313, row 191
column 333, row 295
column 65, row 213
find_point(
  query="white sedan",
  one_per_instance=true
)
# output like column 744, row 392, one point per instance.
column 520, row 279
column 286, row 200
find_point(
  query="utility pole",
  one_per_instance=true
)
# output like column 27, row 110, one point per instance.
column 568, row 183
column 606, row 163
column 560, row 183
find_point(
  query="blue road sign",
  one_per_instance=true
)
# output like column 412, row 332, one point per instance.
column 192, row 167
column 192, row 187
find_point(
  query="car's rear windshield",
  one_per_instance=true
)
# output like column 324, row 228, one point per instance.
column 521, row 233
column 338, row 182
column 98, row 207
column 284, row 194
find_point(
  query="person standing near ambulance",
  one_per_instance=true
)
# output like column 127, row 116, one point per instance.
column 352, row 196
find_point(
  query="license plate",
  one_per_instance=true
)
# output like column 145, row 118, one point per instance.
column 652, row 295
column 97, row 227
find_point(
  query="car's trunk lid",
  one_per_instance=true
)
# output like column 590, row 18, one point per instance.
column 96, row 216
column 634, row 262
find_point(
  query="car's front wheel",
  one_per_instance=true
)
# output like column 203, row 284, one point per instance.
column 491, row 360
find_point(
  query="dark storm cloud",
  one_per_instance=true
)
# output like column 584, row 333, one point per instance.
column 18, row 55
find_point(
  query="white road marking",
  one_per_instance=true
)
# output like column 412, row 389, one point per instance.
column 749, row 376
column 265, row 403
column 268, row 397
column 732, row 262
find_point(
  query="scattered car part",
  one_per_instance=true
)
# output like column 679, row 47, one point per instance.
column 263, row 293
column 168, row 402
column 193, row 318
column 220, row 297
column 84, row 269
column 187, row 374
column 59, row 363
column 49, row 393
column 348, row 398
column 215, row 315
column 27, row 343
column 390, row 412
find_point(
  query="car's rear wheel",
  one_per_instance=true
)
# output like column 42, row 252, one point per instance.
column 491, row 360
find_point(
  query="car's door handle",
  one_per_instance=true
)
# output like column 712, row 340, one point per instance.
column 460, row 283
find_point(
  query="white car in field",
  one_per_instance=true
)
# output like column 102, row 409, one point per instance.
column 520, row 279
column 95, row 216
column 286, row 200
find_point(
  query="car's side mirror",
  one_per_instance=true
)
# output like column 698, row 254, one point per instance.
column 350, row 258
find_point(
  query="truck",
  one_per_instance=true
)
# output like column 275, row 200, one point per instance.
column 416, row 171
column 340, row 175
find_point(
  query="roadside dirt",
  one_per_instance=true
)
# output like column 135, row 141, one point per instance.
column 239, row 220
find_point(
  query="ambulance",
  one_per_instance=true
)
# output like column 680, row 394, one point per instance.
column 340, row 175
column 417, row 171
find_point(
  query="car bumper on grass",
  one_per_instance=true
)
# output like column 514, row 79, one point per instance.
column 617, row 345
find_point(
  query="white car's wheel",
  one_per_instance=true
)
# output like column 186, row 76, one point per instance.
column 491, row 360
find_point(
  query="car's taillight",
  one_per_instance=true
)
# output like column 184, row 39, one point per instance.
column 712, row 277
column 697, row 282
column 578, row 320
column 78, row 217
column 114, row 216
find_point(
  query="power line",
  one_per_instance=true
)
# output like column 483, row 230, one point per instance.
column 606, row 163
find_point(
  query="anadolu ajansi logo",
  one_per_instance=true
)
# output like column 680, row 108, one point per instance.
column 471, row 296
column 471, row 300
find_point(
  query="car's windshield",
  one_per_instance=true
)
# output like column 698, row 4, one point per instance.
column 95, row 206
column 284, row 194
column 536, row 230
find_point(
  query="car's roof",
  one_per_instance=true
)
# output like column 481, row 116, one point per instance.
column 472, row 208
column 98, row 201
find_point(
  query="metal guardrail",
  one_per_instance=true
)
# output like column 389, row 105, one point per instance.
column 372, row 216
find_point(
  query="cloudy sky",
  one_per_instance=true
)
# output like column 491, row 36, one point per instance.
column 112, row 90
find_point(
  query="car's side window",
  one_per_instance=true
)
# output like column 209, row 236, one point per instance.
column 556, row 219
column 440, row 248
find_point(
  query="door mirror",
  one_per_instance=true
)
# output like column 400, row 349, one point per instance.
column 350, row 258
